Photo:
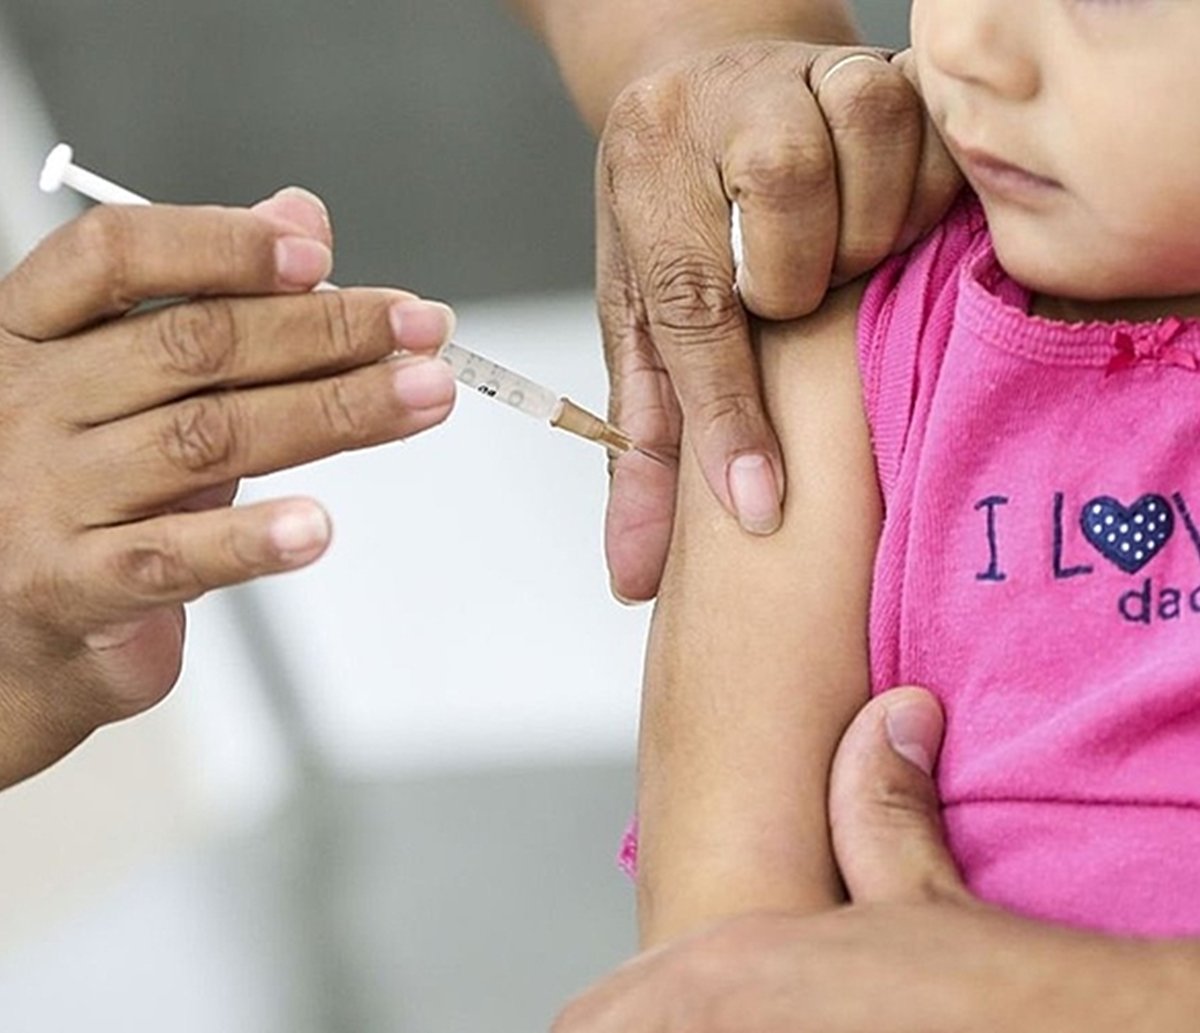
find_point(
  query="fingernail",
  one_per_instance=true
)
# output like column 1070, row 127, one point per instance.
column 424, row 384
column 300, row 532
column 915, row 731
column 422, row 325
column 301, row 262
column 296, row 210
column 623, row 600
column 300, row 193
column 755, row 494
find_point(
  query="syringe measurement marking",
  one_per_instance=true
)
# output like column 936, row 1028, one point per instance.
column 531, row 398
column 499, row 383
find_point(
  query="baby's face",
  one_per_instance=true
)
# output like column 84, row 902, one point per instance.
column 1078, row 123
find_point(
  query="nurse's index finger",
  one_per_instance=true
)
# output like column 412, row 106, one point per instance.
column 113, row 258
column 642, row 401
column 673, row 219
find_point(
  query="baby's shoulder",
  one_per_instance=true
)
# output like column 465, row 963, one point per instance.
column 908, row 290
column 905, row 319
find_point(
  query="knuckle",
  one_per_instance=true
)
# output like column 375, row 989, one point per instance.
column 340, row 416
column 689, row 296
column 651, row 109
column 230, row 249
column 151, row 570
column 340, row 332
column 873, row 99
column 723, row 407
column 103, row 229
column 781, row 171
column 199, row 341
column 641, row 127
column 243, row 551
column 647, row 104
column 40, row 591
column 895, row 802
column 897, row 805
column 102, row 238
column 202, row 435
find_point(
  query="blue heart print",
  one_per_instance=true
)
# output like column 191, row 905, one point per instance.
column 1129, row 536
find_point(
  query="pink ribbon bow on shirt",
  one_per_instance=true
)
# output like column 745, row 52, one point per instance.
column 1152, row 346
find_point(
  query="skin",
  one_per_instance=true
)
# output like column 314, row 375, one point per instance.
column 751, row 672
column 912, row 952
column 700, row 103
column 125, row 431
column 733, row 782
column 741, row 716
column 1115, row 233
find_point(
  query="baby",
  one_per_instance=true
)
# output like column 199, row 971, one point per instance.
column 993, row 491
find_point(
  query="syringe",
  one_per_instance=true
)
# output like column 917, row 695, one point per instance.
column 484, row 376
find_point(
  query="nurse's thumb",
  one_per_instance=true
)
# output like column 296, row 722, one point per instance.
column 884, row 809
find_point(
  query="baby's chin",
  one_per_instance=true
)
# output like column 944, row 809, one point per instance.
column 1070, row 284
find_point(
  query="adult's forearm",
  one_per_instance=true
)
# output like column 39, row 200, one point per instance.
column 601, row 46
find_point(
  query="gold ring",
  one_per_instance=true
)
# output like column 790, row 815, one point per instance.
column 849, row 59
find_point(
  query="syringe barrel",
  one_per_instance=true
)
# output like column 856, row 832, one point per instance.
column 491, row 379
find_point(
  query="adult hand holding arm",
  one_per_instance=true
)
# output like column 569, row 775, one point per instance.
column 913, row 953
column 704, row 103
column 123, row 435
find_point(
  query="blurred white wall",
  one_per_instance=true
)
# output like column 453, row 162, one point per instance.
column 463, row 616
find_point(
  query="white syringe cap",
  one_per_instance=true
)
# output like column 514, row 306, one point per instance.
column 55, row 168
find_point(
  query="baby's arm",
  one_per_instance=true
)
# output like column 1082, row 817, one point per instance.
column 758, row 655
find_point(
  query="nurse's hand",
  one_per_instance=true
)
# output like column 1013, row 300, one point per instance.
column 833, row 166
column 124, row 431
column 913, row 953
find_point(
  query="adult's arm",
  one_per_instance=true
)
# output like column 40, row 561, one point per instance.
column 758, row 656
column 705, row 103
column 603, row 45
column 913, row 953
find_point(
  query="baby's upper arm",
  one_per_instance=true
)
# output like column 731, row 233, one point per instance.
column 814, row 396
column 758, row 654
column 825, row 549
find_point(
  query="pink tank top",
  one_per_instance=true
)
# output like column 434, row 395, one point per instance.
column 1040, row 571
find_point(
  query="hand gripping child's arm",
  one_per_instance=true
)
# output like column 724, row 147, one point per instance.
column 758, row 656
